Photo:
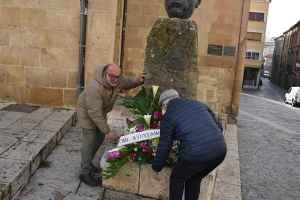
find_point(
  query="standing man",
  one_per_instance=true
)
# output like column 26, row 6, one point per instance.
column 202, row 146
column 92, row 107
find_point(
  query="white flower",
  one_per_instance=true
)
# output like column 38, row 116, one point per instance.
column 147, row 119
column 132, row 130
column 154, row 89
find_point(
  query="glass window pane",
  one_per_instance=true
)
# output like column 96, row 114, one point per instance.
column 215, row 49
column 229, row 51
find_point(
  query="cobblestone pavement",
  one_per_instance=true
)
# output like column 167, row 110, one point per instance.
column 268, row 90
column 269, row 145
column 57, row 178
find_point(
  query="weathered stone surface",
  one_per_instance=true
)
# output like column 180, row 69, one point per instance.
column 63, row 130
column 6, row 142
column 225, row 191
column 153, row 184
column 8, row 118
column 26, row 151
column 87, row 191
column 40, row 136
column 126, row 180
column 14, row 173
column 38, row 115
column 208, row 186
column 171, row 56
column 114, row 195
column 77, row 197
column 48, row 125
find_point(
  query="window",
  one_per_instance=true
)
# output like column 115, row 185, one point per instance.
column 254, row 36
column 214, row 49
column 256, row 16
column 252, row 55
column 229, row 51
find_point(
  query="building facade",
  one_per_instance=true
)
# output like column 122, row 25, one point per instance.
column 255, row 43
column 268, row 55
column 286, row 59
column 39, row 42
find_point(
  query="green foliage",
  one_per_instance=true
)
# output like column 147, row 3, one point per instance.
column 143, row 103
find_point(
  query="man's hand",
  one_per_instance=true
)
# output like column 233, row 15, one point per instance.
column 112, row 137
column 141, row 78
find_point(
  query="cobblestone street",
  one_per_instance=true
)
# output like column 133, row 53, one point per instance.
column 269, row 145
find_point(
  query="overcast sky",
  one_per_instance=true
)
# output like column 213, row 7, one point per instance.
column 282, row 15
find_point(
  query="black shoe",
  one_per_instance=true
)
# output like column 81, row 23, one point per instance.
column 95, row 169
column 89, row 180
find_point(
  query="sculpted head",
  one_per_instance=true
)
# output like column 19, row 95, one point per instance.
column 182, row 9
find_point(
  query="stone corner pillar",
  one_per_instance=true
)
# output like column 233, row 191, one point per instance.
column 171, row 56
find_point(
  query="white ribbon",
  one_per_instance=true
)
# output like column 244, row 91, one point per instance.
column 138, row 137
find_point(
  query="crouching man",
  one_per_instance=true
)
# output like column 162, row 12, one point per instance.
column 92, row 107
column 202, row 145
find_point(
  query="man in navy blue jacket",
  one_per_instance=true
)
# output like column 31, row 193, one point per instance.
column 202, row 145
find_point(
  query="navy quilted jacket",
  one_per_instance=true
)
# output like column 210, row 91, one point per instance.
column 195, row 126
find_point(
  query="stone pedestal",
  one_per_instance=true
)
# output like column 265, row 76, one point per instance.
column 171, row 56
column 153, row 184
column 126, row 180
column 141, row 180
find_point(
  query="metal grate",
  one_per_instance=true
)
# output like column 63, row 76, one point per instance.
column 20, row 108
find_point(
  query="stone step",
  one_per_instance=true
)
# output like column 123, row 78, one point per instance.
column 26, row 140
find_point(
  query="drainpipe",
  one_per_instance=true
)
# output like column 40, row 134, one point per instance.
column 124, row 23
column 236, row 74
column 82, row 44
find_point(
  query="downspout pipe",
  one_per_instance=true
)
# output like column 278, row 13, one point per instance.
column 82, row 44
column 124, row 25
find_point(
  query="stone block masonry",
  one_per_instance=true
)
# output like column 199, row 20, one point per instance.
column 26, row 140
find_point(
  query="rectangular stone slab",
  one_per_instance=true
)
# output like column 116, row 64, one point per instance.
column 126, row 180
column 40, row 136
column 8, row 118
column 13, row 173
column 154, row 185
column 27, row 151
column 6, row 142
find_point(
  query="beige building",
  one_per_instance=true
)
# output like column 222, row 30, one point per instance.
column 39, row 46
column 256, row 31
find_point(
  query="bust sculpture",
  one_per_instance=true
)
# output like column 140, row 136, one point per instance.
column 182, row 9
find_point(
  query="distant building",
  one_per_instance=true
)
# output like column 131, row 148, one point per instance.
column 255, row 43
column 268, row 55
column 286, row 59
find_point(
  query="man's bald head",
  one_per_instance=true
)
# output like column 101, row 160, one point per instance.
column 112, row 74
column 113, row 69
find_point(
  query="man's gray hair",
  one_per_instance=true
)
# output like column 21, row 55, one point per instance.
column 168, row 95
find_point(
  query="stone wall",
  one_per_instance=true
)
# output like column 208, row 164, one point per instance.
column 39, row 45
column 219, row 80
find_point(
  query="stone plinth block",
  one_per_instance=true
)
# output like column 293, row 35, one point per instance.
column 171, row 56
column 154, row 185
column 14, row 175
column 126, row 180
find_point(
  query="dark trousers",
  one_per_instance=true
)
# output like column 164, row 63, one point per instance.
column 91, row 141
column 187, row 176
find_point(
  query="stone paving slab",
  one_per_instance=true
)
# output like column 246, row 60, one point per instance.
column 11, row 180
column 28, row 138
column 8, row 118
column 228, row 181
column 6, row 142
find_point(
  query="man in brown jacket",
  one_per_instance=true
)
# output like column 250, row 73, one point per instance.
column 92, row 107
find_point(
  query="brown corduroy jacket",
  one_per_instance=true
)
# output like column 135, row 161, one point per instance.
column 98, row 99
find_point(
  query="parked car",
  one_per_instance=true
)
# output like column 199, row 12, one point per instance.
column 267, row 74
column 293, row 96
